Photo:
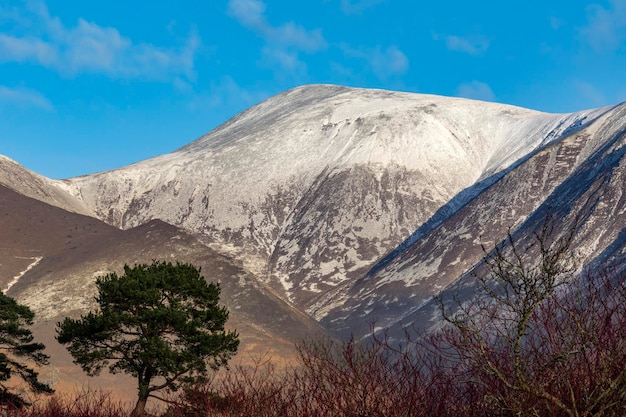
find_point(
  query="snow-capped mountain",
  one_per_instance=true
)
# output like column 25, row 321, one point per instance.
column 312, row 187
column 357, row 206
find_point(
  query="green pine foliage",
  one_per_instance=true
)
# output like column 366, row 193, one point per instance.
column 160, row 323
column 18, row 351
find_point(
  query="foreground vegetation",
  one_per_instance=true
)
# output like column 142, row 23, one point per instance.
column 572, row 362
column 538, row 340
column 18, row 352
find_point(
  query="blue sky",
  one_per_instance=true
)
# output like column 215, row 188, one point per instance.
column 87, row 86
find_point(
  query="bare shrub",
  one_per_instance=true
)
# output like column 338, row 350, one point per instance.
column 243, row 390
column 84, row 403
column 537, row 339
column 357, row 379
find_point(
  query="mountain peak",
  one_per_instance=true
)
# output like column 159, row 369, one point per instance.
column 304, row 194
column 312, row 187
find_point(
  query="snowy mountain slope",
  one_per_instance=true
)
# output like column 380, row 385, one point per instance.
column 312, row 187
column 30, row 184
column 582, row 177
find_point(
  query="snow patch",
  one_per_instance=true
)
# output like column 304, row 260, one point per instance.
column 16, row 278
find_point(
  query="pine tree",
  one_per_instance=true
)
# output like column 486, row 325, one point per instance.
column 160, row 323
column 17, row 349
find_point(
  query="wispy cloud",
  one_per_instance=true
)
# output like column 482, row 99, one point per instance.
column 384, row 63
column 227, row 93
column 250, row 13
column 472, row 45
column 90, row 48
column 590, row 93
column 24, row 98
column 283, row 43
column 355, row 7
column 16, row 49
column 476, row 90
column 389, row 62
column 606, row 27
column 287, row 60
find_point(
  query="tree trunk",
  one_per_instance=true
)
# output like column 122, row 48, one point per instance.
column 140, row 407
column 143, row 394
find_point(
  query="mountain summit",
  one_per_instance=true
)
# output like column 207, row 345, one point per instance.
column 312, row 188
column 355, row 206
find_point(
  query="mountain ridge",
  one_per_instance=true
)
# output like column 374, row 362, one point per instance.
column 342, row 202
column 328, row 137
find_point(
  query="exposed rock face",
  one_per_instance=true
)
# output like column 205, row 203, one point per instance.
column 580, row 180
column 357, row 206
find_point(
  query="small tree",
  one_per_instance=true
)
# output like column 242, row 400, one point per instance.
column 160, row 323
column 16, row 349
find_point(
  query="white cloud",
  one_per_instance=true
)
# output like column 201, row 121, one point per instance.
column 476, row 90
column 384, row 63
column 88, row 47
column 606, row 28
column 22, row 97
column 250, row 13
column 473, row 45
column 14, row 49
column 91, row 47
column 291, row 34
column 282, row 43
